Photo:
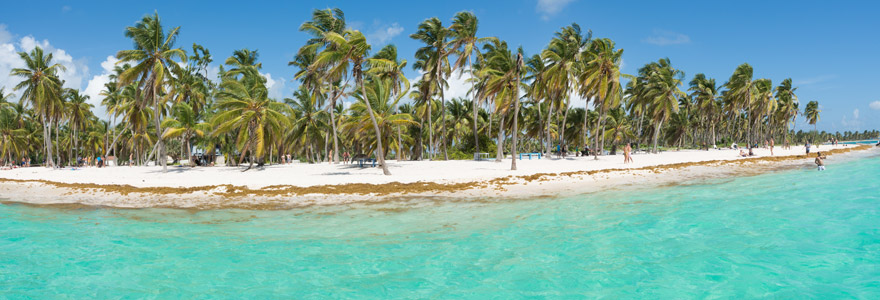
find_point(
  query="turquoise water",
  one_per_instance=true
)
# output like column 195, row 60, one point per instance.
column 868, row 142
column 792, row 234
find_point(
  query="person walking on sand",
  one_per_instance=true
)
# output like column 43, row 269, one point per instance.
column 772, row 143
column 807, row 146
column 820, row 161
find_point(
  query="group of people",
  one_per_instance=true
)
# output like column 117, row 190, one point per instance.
column 23, row 163
column 89, row 161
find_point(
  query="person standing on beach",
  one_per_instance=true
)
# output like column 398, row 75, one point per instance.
column 807, row 146
column 772, row 142
column 820, row 161
column 627, row 158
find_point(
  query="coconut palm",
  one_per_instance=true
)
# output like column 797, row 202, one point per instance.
column 309, row 122
column 350, row 50
column 184, row 124
column 322, row 22
column 154, row 58
column 466, row 44
column 244, row 106
column 740, row 92
column 788, row 105
column 78, row 114
column 811, row 112
column 600, row 77
column 41, row 90
column 661, row 93
column 562, row 56
column 505, row 71
column 434, row 60
column 704, row 92
column 383, row 101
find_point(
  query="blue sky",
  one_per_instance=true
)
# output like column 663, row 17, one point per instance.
column 829, row 49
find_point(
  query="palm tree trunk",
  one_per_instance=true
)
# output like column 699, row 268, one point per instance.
column 420, row 143
column 116, row 139
column 547, row 141
column 58, row 143
column 399, row 155
column 657, row 134
column 598, row 123
column 47, row 142
column 161, row 157
column 499, row 152
column 476, row 132
column 602, row 134
column 189, row 154
column 515, row 118
column 562, row 130
column 430, row 129
column 333, row 123
column 379, row 154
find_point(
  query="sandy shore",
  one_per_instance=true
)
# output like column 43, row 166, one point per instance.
column 299, row 184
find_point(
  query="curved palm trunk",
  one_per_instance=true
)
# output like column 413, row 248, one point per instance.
column 333, row 123
column 430, row 130
column 476, row 131
column 116, row 139
column 399, row 155
column 547, row 141
column 47, row 141
column 515, row 126
column 657, row 134
column 499, row 152
column 562, row 130
column 58, row 143
column 443, row 140
column 597, row 148
column 379, row 154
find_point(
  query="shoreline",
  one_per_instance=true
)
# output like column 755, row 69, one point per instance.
column 278, row 197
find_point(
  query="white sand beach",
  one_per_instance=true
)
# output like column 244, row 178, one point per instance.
column 465, row 178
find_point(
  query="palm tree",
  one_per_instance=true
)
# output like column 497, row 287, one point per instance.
column 13, row 138
column 562, row 56
column 704, row 91
column 811, row 112
column 244, row 106
column 434, row 56
column 350, row 49
column 185, row 124
column 466, row 46
column 383, row 100
column 309, row 121
column 154, row 61
column 42, row 90
column 505, row 71
column 78, row 113
column 741, row 90
column 600, row 77
column 788, row 104
column 323, row 21
column 661, row 92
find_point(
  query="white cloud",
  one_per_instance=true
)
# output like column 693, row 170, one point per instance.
column 666, row 38
column 548, row 8
column 384, row 34
column 66, row 8
column 856, row 113
column 5, row 36
column 275, row 87
column 96, row 85
column 874, row 105
column 457, row 87
column 75, row 71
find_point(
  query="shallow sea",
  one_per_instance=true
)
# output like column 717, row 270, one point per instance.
column 791, row 234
